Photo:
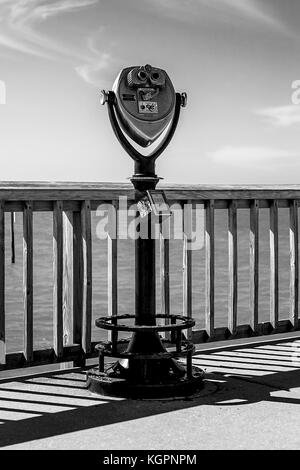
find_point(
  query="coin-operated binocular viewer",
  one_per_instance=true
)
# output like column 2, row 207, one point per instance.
column 144, row 107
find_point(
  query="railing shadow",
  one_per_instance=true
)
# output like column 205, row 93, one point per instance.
column 54, row 404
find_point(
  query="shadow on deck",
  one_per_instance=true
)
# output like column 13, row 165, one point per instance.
column 249, row 401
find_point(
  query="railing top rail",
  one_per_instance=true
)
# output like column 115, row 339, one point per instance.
column 47, row 191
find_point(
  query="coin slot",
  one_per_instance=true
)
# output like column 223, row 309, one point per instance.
column 128, row 97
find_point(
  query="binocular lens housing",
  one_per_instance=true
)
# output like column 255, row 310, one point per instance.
column 145, row 102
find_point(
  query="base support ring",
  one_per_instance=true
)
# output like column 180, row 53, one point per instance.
column 106, row 384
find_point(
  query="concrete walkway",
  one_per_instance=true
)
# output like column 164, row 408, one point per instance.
column 251, row 400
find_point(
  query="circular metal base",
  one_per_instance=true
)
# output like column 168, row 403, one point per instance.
column 107, row 385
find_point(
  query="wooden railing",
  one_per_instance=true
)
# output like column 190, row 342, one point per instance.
column 71, row 205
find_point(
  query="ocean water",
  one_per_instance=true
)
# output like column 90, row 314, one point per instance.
column 43, row 275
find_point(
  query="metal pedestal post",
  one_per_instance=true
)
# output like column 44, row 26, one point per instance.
column 146, row 368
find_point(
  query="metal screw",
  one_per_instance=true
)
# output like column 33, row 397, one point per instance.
column 104, row 97
column 183, row 99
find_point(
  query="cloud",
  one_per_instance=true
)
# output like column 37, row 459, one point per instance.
column 11, row 43
column 19, row 20
column 89, row 72
column 253, row 157
column 20, row 24
column 47, row 10
column 249, row 9
column 96, row 60
column 281, row 116
column 222, row 11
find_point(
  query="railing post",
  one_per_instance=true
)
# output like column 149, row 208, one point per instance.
column 77, row 283
column 58, row 278
column 67, row 278
column 274, row 295
column 254, row 263
column 164, row 259
column 210, row 266
column 87, row 276
column 112, row 273
column 12, row 233
column 2, row 283
column 187, row 262
column 233, row 266
column 28, row 281
column 294, row 264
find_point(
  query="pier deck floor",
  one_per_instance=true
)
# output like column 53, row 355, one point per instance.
column 251, row 400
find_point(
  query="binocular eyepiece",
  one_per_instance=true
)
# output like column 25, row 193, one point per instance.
column 146, row 76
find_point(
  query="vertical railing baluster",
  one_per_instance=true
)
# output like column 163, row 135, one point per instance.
column 294, row 263
column 254, row 263
column 233, row 266
column 210, row 267
column 2, row 283
column 112, row 253
column 28, row 281
column 12, row 233
column 274, row 263
column 87, row 276
column 187, row 262
column 67, row 278
column 58, row 278
column 164, row 260
column 77, row 279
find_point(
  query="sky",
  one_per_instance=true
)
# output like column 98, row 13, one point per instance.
column 236, row 59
